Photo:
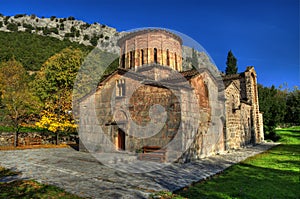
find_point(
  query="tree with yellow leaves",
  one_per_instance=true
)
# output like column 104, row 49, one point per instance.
column 54, row 84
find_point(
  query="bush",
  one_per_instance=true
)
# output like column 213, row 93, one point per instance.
column 94, row 40
column 71, row 18
column 77, row 33
column 84, row 26
column 19, row 15
column 28, row 26
column 62, row 27
column 86, row 37
column 272, row 136
column 52, row 18
column 73, row 29
column 33, row 16
column 12, row 27
column 1, row 24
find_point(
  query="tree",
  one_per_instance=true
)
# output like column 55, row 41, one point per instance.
column 293, row 107
column 57, row 115
column 272, row 102
column 54, row 84
column 18, row 104
column 231, row 64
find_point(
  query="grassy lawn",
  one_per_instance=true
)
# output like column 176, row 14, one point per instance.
column 273, row 174
column 29, row 188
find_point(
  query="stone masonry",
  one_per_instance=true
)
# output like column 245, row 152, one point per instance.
column 151, row 92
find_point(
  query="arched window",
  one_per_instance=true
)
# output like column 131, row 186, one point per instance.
column 155, row 55
column 142, row 56
column 168, row 57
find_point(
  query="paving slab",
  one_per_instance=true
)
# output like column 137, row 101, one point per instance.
column 80, row 173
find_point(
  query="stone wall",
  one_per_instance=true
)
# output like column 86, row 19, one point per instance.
column 7, row 138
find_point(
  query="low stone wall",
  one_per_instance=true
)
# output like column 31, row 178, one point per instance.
column 7, row 138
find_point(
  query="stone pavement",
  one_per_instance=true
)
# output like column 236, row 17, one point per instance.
column 80, row 173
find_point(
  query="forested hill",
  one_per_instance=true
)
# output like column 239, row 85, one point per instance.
column 32, row 50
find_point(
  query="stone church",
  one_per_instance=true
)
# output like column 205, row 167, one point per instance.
column 153, row 99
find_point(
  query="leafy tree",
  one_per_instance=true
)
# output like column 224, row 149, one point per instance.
column 273, row 105
column 57, row 115
column 293, row 107
column 231, row 64
column 54, row 84
column 18, row 104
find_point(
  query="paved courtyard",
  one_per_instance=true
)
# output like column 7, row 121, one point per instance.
column 80, row 173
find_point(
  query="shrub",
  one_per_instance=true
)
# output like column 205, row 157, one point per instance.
column 54, row 30
column 33, row 16
column 12, row 27
column 52, row 18
column 94, row 40
column 1, row 24
column 86, row 37
column 62, row 27
column 71, row 18
column 6, row 20
column 73, row 29
column 84, row 26
column 106, row 37
column 28, row 26
column 19, row 15
column 77, row 33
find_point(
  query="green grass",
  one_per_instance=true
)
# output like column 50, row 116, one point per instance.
column 272, row 174
column 29, row 188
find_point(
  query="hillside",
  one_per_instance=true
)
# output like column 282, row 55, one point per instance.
column 63, row 28
column 32, row 50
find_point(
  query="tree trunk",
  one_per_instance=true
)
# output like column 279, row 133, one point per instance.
column 57, row 139
column 16, row 139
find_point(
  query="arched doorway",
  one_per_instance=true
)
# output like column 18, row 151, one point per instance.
column 121, row 140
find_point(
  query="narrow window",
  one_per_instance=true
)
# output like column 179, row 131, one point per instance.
column 142, row 57
column 168, row 58
column 176, row 67
column 120, row 88
column 155, row 55
column 131, row 59
column 233, row 104
column 123, row 61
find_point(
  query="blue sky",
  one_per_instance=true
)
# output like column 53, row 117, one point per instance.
column 260, row 33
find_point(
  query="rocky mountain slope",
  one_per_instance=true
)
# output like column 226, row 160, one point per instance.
column 63, row 28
